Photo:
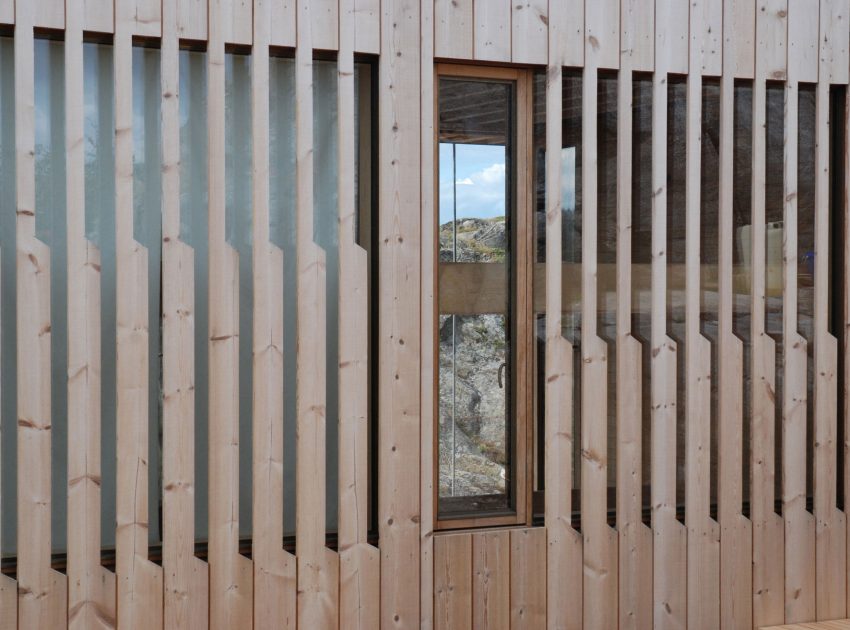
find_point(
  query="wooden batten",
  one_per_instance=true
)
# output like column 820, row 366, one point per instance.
column 91, row 587
column 185, row 577
column 230, row 572
column 736, row 603
column 529, row 21
column 492, row 30
column 768, row 527
column 453, row 29
column 42, row 592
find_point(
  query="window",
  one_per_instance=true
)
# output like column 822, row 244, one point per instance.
column 483, row 285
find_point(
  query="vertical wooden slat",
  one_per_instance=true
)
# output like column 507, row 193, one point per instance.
column 453, row 582
column 564, row 543
column 491, row 573
column 703, row 533
column 146, row 16
column 191, row 19
column 670, row 537
column 637, row 34
column 834, row 41
column 91, row 588
column 428, row 373
column 367, row 26
column 528, row 574
column 453, row 29
column 237, row 21
column 48, row 13
column 709, row 37
column 771, row 40
column 492, row 36
column 282, row 31
column 99, row 15
column 800, row 603
column 739, row 32
column 359, row 587
column 139, row 581
column 768, row 546
column 274, row 568
column 230, row 572
column 671, row 39
column 529, row 25
column 635, row 538
column 42, row 594
column 602, row 34
column 735, row 528
column 318, row 568
column 600, row 541
column 325, row 16
column 186, row 578
column 831, row 541
column 398, row 301
column 802, row 62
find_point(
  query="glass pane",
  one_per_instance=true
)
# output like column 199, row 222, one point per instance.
column 475, row 296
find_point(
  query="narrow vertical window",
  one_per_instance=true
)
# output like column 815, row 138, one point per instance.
column 481, row 410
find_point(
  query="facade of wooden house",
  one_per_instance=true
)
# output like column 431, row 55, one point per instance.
column 438, row 314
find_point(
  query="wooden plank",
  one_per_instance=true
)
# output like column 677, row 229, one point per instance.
column 367, row 26
column 453, row 582
column 739, row 32
column 529, row 22
column 564, row 544
column 491, row 583
column 735, row 529
column 282, row 23
column 768, row 546
column 827, row 625
column 99, row 16
column 670, row 548
column 703, row 531
column 803, row 42
column 185, row 577
column 42, row 592
column 274, row 568
column 452, row 29
column 528, row 574
column 602, row 34
column 709, row 38
column 600, row 541
column 230, row 573
column 325, row 16
column 492, row 33
column 799, row 524
column 428, row 308
column 191, row 19
column 139, row 581
column 671, row 40
column 635, row 543
column 637, row 35
column 7, row 12
column 398, row 298
column 146, row 17
column 48, row 14
column 359, row 586
column 237, row 21
column 771, row 39
column 91, row 588
column 834, row 41
column 318, row 567
column 831, row 534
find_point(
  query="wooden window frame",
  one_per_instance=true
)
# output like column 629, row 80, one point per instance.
column 522, row 405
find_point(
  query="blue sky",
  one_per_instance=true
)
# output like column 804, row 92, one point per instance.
column 481, row 181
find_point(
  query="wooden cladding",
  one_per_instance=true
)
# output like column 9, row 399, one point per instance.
column 697, row 405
